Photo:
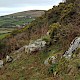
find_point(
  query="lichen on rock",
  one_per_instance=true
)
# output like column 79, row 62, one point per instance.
column 75, row 44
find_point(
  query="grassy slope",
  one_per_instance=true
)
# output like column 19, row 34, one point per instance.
column 33, row 13
column 28, row 67
column 3, row 35
column 31, row 67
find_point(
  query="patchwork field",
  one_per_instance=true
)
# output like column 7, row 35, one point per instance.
column 5, row 31
column 20, row 18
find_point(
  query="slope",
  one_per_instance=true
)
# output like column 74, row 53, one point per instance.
column 63, row 24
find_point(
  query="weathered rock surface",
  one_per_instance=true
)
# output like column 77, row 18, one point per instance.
column 32, row 47
column 9, row 59
column 1, row 63
column 35, row 46
column 75, row 44
column 20, row 50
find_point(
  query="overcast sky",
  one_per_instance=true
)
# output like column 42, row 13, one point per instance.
column 13, row 6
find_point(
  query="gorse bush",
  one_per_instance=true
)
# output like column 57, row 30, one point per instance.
column 53, row 29
column 67, row 13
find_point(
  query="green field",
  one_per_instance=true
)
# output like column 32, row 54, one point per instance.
column 4, row 32
column 3, row 36
column 20, row 18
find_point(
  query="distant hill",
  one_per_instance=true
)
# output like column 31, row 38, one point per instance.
column 32, row 13
column 20, row 18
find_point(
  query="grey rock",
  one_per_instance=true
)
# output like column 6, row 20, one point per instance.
column 1, row 63
column 49, row 61
column 75, row 44
column 35, row 46
column 9, row 58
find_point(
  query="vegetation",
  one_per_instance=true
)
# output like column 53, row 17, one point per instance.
column 63, row 24
column 5, row 32
column 19, row 19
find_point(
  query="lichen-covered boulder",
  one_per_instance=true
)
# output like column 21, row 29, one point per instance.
column 35, row 46
column 31, row 48
column 75, row 44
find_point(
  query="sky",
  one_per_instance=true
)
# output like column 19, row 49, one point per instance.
column 13, row 6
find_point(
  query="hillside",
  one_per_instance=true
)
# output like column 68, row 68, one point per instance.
column 59, row 59
column 19, row 19
column 32, row 13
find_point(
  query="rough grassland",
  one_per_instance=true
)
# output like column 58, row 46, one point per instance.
column 27, row 67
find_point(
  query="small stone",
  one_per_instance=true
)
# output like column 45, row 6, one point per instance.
column 9, row 59
column 49, row 61
column 1, row 63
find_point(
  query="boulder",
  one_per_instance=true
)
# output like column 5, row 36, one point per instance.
column 9, row 59
column 75, row 44
column 35, row 46
column 1, row 63
column 32, row 48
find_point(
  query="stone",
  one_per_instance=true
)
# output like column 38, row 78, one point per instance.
column 9, row 59
column 1, row 63
column 26, row 49
column 75, row 44
column 49, row 61
column 35, row 46
column 48, row 33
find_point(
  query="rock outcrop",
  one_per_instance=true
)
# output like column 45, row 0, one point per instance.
column 32, row 47
column 35, row 46
column 75, row 44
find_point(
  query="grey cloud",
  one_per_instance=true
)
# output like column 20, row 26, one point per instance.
column 12, row 6
column 10, row 3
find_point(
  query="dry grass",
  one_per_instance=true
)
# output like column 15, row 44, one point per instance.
column 27, row 67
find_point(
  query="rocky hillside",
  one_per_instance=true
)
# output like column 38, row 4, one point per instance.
column 59, row 31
